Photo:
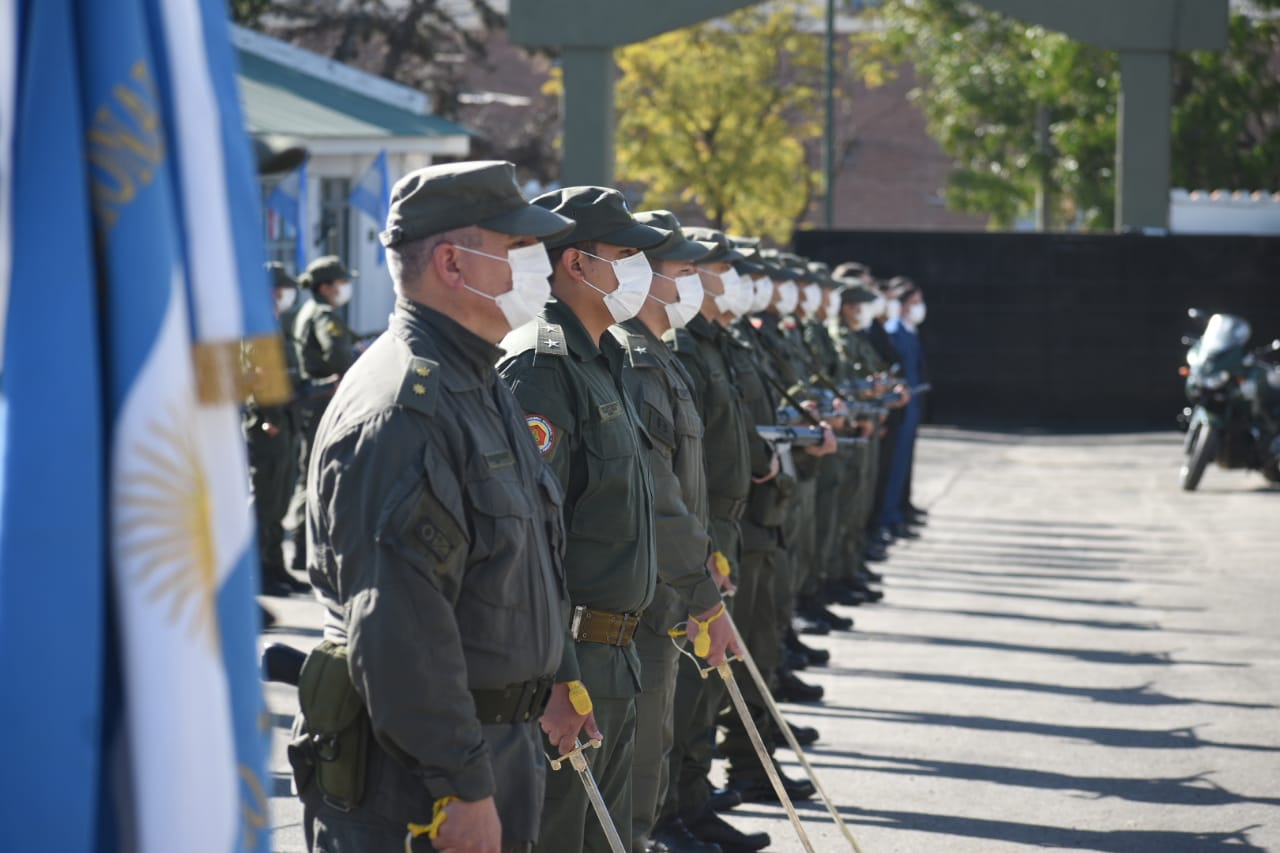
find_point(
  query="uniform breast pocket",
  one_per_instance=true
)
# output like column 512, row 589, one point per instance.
column 606, row 509
column 501, row 535
column 688, row 424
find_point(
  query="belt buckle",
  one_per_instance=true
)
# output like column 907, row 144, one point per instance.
column 575, row 623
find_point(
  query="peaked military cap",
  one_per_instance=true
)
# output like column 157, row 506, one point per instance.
column 676, row 247
column 324, row 270
column 279, row 277
column 857, row 292
column 598, row 213
column 724, row 251
column 456, row 195
column 275, row 157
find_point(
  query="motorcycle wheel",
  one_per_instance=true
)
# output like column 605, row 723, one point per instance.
column 1200, row 452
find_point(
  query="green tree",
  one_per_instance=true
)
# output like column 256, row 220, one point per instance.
column 718, row 116
column 986, row 78
column 1226, row 116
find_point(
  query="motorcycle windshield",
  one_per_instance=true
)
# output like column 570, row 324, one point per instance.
column 1224, row 332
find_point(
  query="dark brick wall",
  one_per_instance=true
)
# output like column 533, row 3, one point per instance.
column 1061, row 330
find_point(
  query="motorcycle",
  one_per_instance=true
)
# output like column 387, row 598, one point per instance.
column 1233, row 416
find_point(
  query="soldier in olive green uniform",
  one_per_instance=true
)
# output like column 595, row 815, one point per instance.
column 660, row 390
column 273, row 458
column 839, row 481
column 857, row 360
column 325, row 349
column 435, row 532
column 763, row 562
column 567, row 374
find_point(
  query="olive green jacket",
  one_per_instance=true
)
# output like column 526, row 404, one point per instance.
column 323, row 343
column 434, row 541
column 659, row 388
column 588, row 431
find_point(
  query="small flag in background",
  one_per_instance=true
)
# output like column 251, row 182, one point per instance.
column 289, row 201
column 128, row 625
column 372, row 194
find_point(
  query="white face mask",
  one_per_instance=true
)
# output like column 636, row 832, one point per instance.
column 877, row 306
column 634, row 275
column 916, row 314
column 286, row 299
column 343, row 295
column 530, row 287
column 894, row 309
column 788, row 297
column 812, row 299
column 729, row 283
column 689, row 299
column 866, row 316
column 743, row 295
column 762, row 295
column 833, row 304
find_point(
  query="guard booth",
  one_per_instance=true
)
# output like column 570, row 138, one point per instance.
column 345, row 118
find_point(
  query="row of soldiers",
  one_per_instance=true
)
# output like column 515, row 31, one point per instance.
column 585, row 427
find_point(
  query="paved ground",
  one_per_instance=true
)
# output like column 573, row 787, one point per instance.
column 1077, row 656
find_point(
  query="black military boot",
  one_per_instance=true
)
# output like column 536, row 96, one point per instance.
column 814, row 657
column 756, row 788
column 708, row 826
column 676, row 837
column 791, row 689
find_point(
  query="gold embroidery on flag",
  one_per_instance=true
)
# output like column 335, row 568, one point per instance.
column 166, row 529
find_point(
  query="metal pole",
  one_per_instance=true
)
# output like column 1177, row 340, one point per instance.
column 829, row 136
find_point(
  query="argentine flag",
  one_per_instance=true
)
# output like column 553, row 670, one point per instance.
column 128, row 624
column 371, row 195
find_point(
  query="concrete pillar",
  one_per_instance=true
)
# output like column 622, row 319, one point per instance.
column 1144, row 139
column 587, row 148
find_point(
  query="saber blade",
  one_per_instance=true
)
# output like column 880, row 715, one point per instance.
column 578, row 762
column 766, row 761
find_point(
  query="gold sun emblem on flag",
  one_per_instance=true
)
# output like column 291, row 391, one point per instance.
column 166, row 525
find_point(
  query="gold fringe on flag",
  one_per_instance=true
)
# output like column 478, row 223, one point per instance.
column 241, row 371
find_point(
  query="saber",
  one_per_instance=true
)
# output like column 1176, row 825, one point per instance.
column 578, row 761
column 740, row 705
column 785, row 728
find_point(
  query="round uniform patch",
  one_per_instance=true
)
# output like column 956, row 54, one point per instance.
column 544, row 434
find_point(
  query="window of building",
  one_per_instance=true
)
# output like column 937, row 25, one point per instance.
column 333, row 237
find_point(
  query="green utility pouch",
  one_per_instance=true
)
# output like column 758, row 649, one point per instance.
column 332, row 743
column 767, row 502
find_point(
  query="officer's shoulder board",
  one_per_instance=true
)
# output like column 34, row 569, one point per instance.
column 419, row 389
column 638, row 348
column 541, row 337
column 681, row 340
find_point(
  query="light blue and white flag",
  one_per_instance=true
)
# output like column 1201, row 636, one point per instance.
column 134, row 279
column 372, row 194
column 289, row 200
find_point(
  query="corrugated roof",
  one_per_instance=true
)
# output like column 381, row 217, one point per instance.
column 282, row 100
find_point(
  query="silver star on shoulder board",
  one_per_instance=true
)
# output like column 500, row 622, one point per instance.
column 552, row 343
column 642, row 350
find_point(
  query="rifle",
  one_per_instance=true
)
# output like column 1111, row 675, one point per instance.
column 800, row 436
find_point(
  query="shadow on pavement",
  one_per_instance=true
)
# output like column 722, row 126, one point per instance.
column 1196, row 790
column 893, row 584
column 1061, row 837
column 1182, row 737
column 1142, row 694
column 1100, row 624
column 1086, row 655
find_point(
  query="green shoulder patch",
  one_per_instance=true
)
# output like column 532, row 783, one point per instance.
column 419, row 389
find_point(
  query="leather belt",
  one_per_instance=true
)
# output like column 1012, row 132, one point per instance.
column 516, row 703
column 727, row 508
column 601, row 626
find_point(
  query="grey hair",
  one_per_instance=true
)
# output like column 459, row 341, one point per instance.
column 407, row 262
